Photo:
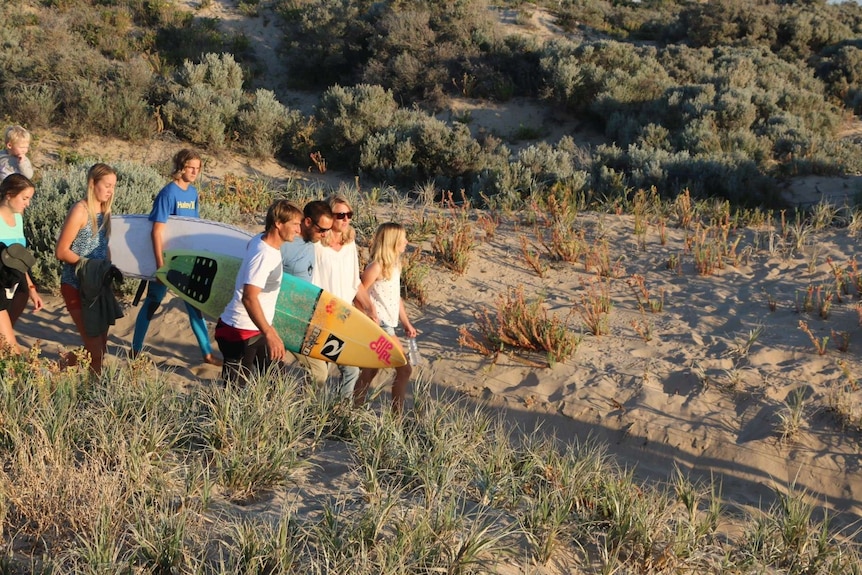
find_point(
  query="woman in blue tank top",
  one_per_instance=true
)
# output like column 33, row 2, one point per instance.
column 85, row 234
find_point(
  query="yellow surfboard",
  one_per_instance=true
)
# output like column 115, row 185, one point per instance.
column 311, row 321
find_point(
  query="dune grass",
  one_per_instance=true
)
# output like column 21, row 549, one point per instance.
column 129, row 474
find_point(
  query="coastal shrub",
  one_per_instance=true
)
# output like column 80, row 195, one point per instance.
column 205, row 102
column 520, row 324
column 840, row 68
column 420, row 147
column 455, row 238
column 299, row 137
column 728, row 22
column 325, row 41
column 261, row 124
column 183, row 36
column 348, row 116
column 539, row 167
column 35, row 105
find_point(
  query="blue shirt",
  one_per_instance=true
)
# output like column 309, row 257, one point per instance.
column 175, row 201
column 297, row 258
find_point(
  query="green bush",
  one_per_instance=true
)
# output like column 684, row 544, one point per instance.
column 261, row 124
column 34, row 105
column 204, row 105
column 347, row 116
column 420, row 147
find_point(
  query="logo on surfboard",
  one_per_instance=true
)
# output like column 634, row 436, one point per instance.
column 332, row 348
column 340, row 311
column 382, row 347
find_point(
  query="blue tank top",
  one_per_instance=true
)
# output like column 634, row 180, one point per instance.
column 86, row 245
column 12, row 234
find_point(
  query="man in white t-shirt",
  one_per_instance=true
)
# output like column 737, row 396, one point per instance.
column 244, row 332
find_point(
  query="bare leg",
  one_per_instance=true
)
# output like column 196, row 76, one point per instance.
column 17, row 305
column 95, row 346
column 7, row 334
column 360, row 390
column 399, row 387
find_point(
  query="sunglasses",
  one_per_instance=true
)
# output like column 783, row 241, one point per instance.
column 320, row 229
column 343, row 215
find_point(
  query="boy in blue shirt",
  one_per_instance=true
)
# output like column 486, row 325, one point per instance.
column 178, row 198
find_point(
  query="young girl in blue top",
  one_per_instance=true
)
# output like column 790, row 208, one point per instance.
column 178, row 198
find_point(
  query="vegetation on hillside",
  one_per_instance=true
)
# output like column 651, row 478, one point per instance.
column 722, row 98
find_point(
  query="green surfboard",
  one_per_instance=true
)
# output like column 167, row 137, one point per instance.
column 311, row 321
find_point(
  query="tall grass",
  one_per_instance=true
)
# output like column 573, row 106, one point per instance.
column 129, row 474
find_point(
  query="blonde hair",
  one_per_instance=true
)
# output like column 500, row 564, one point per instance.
column 94, row 174
column 384, row 248
column 350, row 234
column 16, row 134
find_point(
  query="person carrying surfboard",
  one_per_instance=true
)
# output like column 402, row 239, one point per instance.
column 382, row 279
column 298, row 261
column 336, row 269
column 244, row 333
column 178, row 198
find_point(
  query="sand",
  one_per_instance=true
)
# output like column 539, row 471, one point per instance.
column 695, row 395
column 691, row 397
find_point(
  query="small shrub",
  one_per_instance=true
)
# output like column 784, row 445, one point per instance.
column 413, row 274
column 520, row 324
column 455, row 239
column 261, row 124
column 204, row 105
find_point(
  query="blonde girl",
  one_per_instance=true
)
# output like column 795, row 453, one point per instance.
column 382, row 279
column 85, row 234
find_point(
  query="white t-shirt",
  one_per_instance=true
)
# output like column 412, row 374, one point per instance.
column 337, row 271
column 261, row 268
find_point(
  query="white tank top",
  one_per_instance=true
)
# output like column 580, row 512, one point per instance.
column 386, row 297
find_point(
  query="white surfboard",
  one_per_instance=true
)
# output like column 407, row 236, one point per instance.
column 132, row 247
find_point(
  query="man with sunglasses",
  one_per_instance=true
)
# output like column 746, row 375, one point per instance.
column 297, row 259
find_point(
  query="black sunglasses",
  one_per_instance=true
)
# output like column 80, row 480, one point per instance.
column 343, row 215
column 320, row 229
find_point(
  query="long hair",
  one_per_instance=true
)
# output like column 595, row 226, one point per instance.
column 181, row 158
column 94, row 174
column 384, row 248
column 350, row 234
column 13, row 185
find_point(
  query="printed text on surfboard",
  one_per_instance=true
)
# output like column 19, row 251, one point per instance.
column 382, row 347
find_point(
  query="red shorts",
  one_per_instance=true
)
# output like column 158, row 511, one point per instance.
column 71, row 296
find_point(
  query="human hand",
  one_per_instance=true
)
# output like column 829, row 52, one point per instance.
column 38, row 304
column 274, row 346
column 409, row 330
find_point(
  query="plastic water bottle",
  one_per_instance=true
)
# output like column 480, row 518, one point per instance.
column 413, row 352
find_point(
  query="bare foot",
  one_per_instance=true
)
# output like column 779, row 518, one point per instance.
column 213, row 360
